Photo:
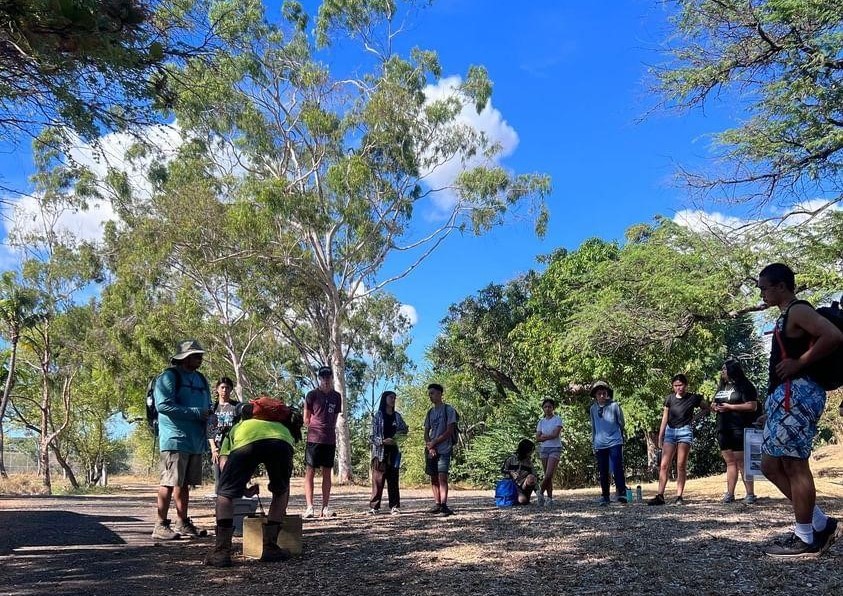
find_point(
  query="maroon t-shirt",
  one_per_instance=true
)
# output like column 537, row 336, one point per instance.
column 324, row 409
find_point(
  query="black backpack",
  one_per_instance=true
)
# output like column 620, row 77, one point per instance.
column 827, row 371
column 151, row 410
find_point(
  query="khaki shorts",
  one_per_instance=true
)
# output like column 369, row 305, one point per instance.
column 181, row 469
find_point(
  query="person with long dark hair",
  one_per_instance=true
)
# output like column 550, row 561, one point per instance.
column 387, row 427
column 519, row 467
column 735, row 404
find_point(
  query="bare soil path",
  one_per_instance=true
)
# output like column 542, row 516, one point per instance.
column 101, row 545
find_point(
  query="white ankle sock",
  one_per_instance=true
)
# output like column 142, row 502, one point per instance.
column 805, row 533
column 819, row 519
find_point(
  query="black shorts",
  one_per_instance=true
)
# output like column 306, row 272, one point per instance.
column 730, row 439
column 319, row 455
column 276, row 455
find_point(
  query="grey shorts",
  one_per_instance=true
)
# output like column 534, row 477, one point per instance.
column 181, row 469
column 550, row 452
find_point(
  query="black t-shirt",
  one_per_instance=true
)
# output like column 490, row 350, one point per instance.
column 389, row 425
column 731, row 421
column 681, row 409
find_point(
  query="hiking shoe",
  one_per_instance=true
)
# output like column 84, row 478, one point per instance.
column 308, row 513
column 395, row 510
column 163, row 531
column 373, row 511
column 823, row 540
column 435, row 510
column 728, row 498
column 750, row 499
column 793, row 546
column 657, row 500
column 548, row 501
column 445, row 511
column 327, row 512
column 622, row 500
column 540, row 501
column 678, row 501
column 604, row 502
column 186, row 528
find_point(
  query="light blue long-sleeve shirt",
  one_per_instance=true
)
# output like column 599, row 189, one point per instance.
column 606, row 429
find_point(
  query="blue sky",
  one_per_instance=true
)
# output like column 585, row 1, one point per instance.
column 571, row 84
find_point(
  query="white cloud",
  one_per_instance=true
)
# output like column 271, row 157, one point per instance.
column 22, row 214
column 409, row 311
column 489, row 121
column 703, row 221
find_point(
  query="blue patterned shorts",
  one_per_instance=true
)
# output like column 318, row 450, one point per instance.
column 791, row 434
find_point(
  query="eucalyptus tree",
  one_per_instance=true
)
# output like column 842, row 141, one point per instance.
column 340, row 162
column 57, row 268
column 18, row 311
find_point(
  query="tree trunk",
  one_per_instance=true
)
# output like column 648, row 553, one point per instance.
column 7, row 394
column 68, row 471
column 343, row 436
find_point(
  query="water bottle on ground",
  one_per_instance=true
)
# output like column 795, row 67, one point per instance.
column 638, row 495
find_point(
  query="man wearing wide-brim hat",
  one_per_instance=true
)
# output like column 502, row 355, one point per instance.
column 607, row 438
column 183, row 402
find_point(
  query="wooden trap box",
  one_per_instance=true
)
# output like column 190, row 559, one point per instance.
column 289, row 537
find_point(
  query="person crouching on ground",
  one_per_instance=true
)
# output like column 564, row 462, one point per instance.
column 607, row 432
column 249, row 443
column 519, row 467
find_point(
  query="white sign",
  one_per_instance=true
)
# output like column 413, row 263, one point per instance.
column 752, row 439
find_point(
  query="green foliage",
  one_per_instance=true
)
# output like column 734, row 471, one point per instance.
column 784, row 56
column 89, row 65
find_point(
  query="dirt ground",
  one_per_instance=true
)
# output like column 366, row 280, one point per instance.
column 101, row 544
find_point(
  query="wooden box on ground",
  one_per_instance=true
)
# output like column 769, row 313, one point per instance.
column 242, row 509
column 289, row 537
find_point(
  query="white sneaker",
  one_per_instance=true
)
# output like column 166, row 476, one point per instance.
column 326, row 512
column 373, row 512
column 308, row 513
column 395, row 510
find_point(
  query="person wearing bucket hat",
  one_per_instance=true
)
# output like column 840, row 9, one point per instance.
column 607, row 438
column 322, row 407
column 183, row 403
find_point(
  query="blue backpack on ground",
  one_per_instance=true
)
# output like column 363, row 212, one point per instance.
column 506, row 492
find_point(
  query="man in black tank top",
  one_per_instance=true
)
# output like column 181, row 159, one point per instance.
column 794, row 405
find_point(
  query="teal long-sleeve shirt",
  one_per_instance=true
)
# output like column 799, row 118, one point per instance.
column 182, row 417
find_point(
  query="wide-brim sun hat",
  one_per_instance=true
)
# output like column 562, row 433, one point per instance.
column 601, row 385
column 187, row 348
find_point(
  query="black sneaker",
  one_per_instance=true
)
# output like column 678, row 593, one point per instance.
column 823, row 540
column 657, row 500
column 435, row 510
column 792, row 547
column 622, row 500
column 678, row 501
column 445, row 511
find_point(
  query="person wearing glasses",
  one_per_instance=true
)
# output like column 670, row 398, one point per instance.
column 676, row 435
column 607, row 438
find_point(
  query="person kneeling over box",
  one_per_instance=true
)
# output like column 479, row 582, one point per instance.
column 250, row 442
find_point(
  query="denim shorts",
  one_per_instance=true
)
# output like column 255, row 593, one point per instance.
column 551, row 451
column 440, row 464
column 683, row 434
